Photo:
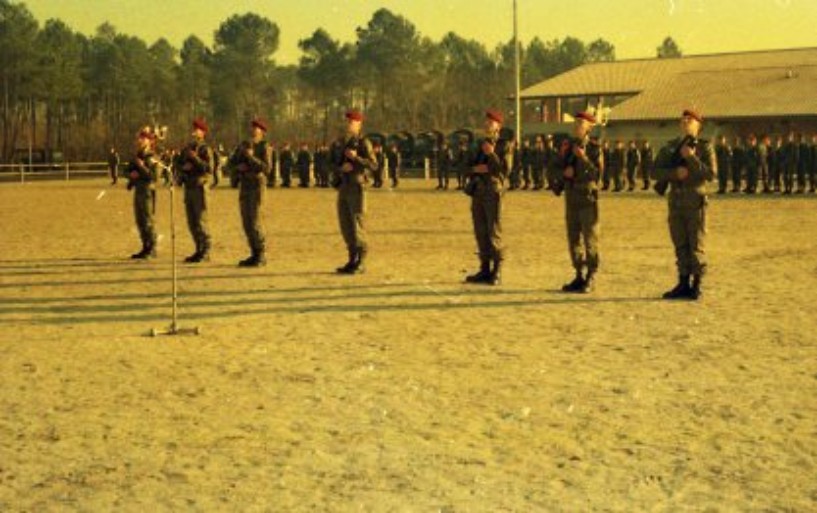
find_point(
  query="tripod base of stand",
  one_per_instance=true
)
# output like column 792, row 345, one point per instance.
column 175, row 330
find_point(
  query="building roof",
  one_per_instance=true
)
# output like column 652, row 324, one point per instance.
column 733, row 85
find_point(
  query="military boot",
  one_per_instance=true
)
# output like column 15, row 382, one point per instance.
column 575, row 285
column 359, row 266
column 695, row 292
column 495, row 277
column 350, row 264
column 482, row 275
column 681, row 291
column 250, row 261
column 141, row 255
column 589, row 283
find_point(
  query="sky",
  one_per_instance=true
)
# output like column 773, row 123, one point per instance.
column 635, row 27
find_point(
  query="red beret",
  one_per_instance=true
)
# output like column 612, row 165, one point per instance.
column 495, row 115
column 354, row 115
column 145, row 134
column 201, row 125
column 260, row 123
column 694, row 115
column 585, row 116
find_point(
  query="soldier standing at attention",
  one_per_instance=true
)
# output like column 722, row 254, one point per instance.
column 687, row 163
column 143, row 172
column 550, row 156
column 526, row 158
column 113, row 166
column 445, row 159
column 633, row 161
column 303, row 163
column 803, row 163
column 538, row 163
column 486, row 186
column 253, row 163
column 196, row 170
column 752, row 158
column 273, row 172
column 738, row 164
column 355, row 158
column 287, row 163
column 790, row 152
column 393, row 157
column 764, row 153
column 776, row 165
column 618, row 165
column 723, row 154
column 813, row 170
column 579, row 175
column 606, row 176
column 380, row 159
column 647, row 164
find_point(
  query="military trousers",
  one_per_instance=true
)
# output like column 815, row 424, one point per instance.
column 352, row 215
column 251, row 201
column 687, row 227
column 751, row 178
column 196, row 199
column 582, row 223
column 143, row 213
column 723, row 176
column 486, row 214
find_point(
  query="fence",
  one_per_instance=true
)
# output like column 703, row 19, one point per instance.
column 65, row 171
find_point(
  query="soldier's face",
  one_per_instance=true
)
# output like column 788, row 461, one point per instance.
column 690, row 126
column 257, row 133
column 353, row 127
column 143, row 143
column 581, row 128
column 197, row 133
column 491, row 126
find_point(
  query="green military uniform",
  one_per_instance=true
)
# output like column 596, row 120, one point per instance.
column 763, row 162
column 581, row 209
column 253, row 172
column 143, row 172
column 752, row 158
column 618, row 164
column 113, row 166
column 393, row 158
column 486, row 192
column 788, row 162
column 303, row 163
column 739, row 161
column 803, row 164
column 287, row 162
column 813, row 169
column 196, row 171
column 687, row 208
column 633, row 163
column 351, row 204
column 723, row 156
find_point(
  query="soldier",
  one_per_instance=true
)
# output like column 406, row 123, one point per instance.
column 788, row 162
column 526, row 159
column 618, row 165
column 776, row 162
column 550, row 155
column 813, row 170
column 723, row 154
column 303, row 163
column 647, row 164
column 393, row 157
column 738, row 164
column 606, row 174
column 218, row 153
column 764, row 154
column 803, row 163
column 253, row 162
column 113, row 166
column 354, row 158
column 287, row 163
column 143, row 171
column 578, row 176
column 380, row 159
column 445, row 160
column 596, row 156
column 538, row 163
column 317, row 159
column 489, row 172
column 274, row 171
column 752, row 159
column 196, row 164
column 686, row 164
column 633, row 162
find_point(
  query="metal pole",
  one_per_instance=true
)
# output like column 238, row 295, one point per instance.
column 518, row 74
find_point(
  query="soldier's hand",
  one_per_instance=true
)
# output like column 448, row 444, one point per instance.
column 134, row 175
column 350, row 153
column 140, row 162
column 687, row 151
column 346, row 167
column 243, row 168
column 488, row 147
column 187, row 166
column 480, row 169
column 191, row 154
column 569, row 173
column 682, row 173
column 579, row 152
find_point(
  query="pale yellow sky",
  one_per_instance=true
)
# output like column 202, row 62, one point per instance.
column 635, row 27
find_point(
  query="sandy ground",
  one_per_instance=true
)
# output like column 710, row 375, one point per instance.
column 402, row 389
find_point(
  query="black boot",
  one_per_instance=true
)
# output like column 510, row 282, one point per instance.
column 496, row 274
column 695, row 292
column 482, row 275
column 250, row 261
column 141, row 255
column 359, row 266
column 589, row 284
column 681, row 291
column 576, row 285
column 347, row 268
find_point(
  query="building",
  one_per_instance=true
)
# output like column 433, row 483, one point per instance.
column 761, row 92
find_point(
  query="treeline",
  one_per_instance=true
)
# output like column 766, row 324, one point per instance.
column 80, row 94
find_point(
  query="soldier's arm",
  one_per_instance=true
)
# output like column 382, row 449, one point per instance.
column 203, row 164
column 367, row 161
column 498, row 165
column 705, row 167
column 262, row 165
column 587, row 172
column 664, row 170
